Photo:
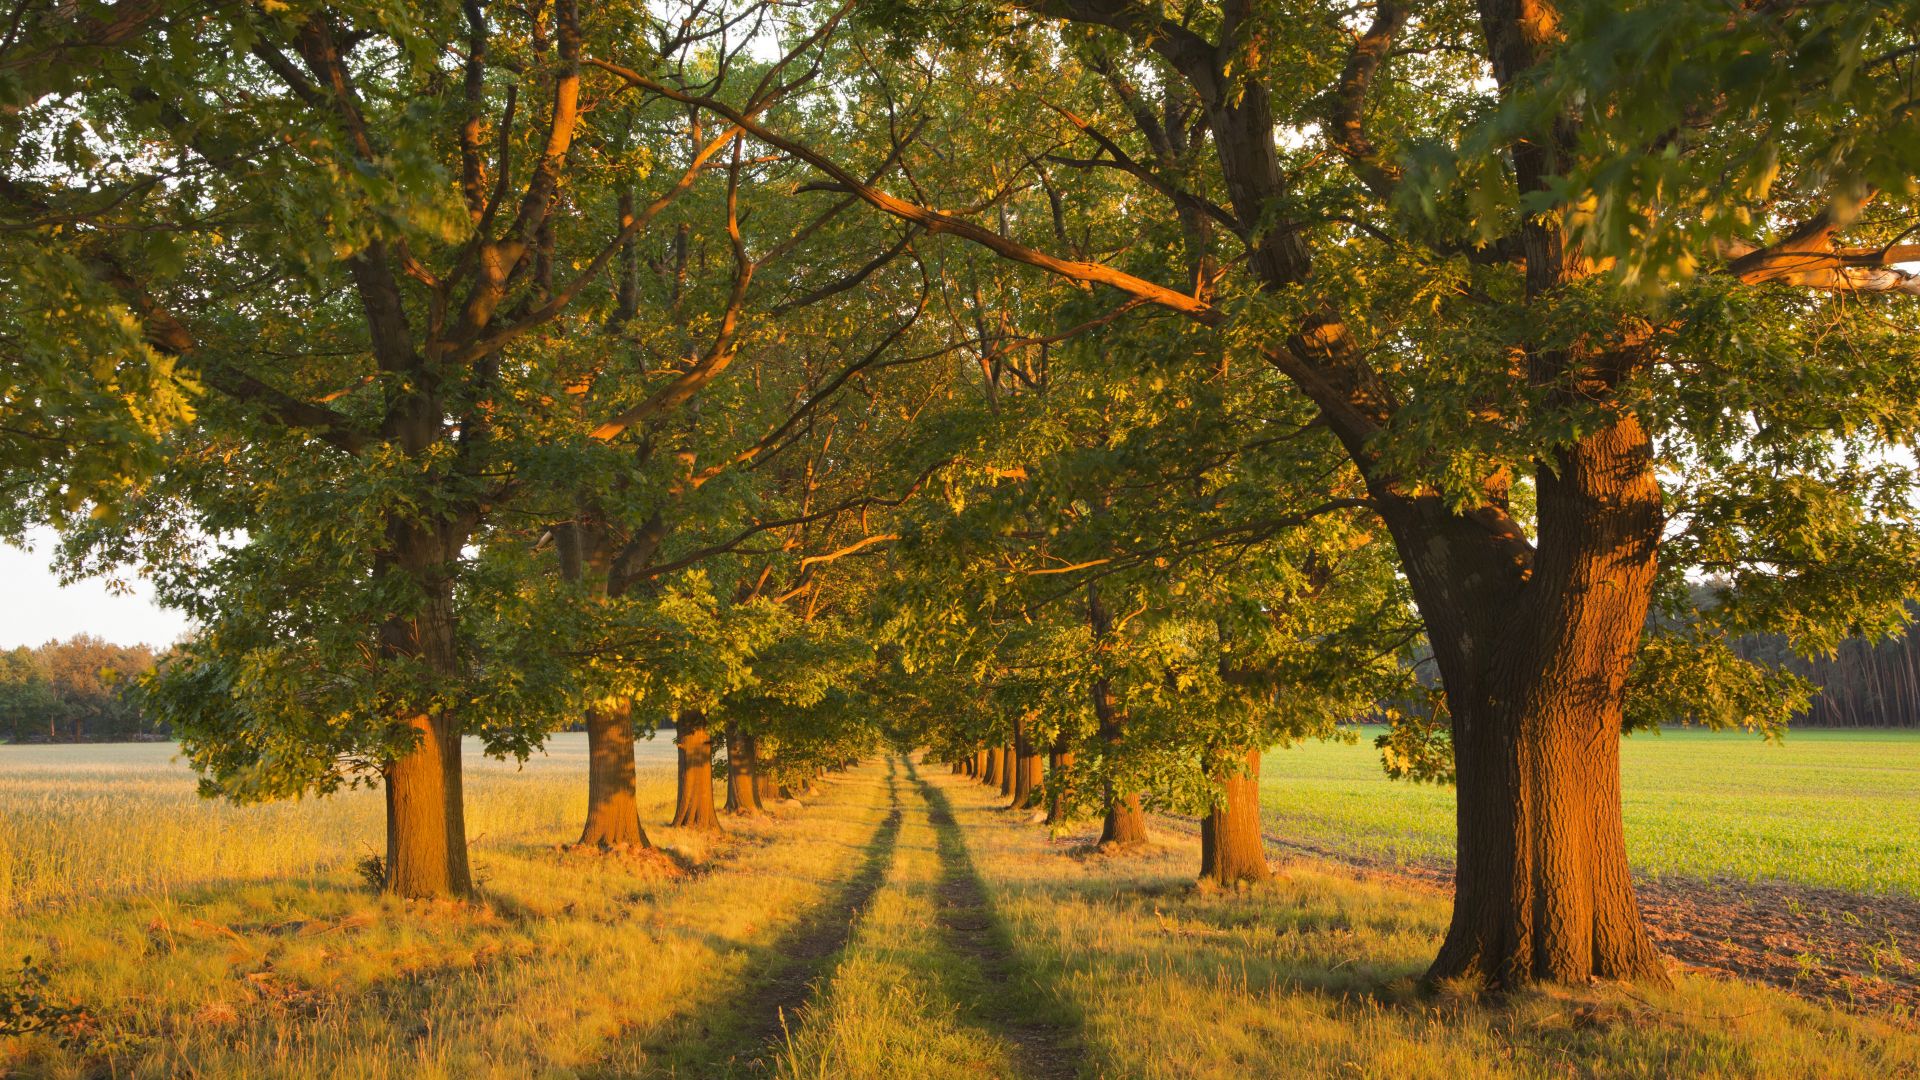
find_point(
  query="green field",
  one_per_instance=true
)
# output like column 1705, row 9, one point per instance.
column 1824, row 808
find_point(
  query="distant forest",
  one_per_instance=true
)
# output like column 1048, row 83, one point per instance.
column 1863, row 685
column 80, row 690
column 74, row 691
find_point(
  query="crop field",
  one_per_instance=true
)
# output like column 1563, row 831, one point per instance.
column 86, row 821
column 898, row 921
column 1829, row 808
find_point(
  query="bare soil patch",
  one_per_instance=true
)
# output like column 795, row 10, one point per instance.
column 1858, row 951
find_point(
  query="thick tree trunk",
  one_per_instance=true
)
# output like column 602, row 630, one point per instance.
column 977, row 765
column 1125, row 824
column 1231, row 848
column 742, row 793
column 426, row 809
column 1542, row 885
column 426, row 823
column 613, row 812
column 990, row 775
column 1006, row 771
column 693, row 801
column 1027, row 776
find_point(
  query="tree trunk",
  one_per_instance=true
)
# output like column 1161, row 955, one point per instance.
column 1542, row 885
column 1026, row 766
column 977, row 766
column 765, row 788
column 1231, row 849
column 1006, row 771
column 1125, row 825
column 426, row 810
column 1060, row 798
column 990, row 775
column 742, row 793
column 693, row 801
column 426, row 825
column 956, row 767
column 613, row 811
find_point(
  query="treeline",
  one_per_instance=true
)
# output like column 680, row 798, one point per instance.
column 78, row 690
column 1864, row 684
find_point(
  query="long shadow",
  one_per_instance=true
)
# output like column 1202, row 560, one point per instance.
column 800, row 965
column 1045, row 1031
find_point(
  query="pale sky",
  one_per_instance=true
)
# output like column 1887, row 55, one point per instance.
column 35, row 607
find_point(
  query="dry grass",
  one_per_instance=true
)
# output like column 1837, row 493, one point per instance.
column 573, row 966
column 985, row 949
column 1315, row 975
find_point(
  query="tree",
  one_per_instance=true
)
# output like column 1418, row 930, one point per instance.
column 1493, row 292
column 401, row 229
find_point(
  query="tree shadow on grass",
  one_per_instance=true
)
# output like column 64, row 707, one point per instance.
column 1001, row 991
column 741, row 1038
column 1258, row 939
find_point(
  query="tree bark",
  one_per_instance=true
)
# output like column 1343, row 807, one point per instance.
column 990, row 775
column 693, row 799
column 1027, row 776
column 742, row 793
column 1006, row 771
column 1231, row 848
column 1060, row 798
column 1542, row 886
column 426, row 824
column 426, row 810
column 765, row 788
column 1125, row 825
column 613, row 814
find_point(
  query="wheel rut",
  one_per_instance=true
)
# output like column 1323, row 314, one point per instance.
column 1046, row 1048
column 805, row 951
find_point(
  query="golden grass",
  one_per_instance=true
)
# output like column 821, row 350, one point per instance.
column 898, row 1002
column 1315, row 975
column 192, row 960
column 575, row 965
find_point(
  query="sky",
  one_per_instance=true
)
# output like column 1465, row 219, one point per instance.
column 36, row 608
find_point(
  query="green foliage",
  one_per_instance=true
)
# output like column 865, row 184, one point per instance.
column 83, row 688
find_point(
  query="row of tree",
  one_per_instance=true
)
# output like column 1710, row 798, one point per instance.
column 75, row 690
column 1141, row 385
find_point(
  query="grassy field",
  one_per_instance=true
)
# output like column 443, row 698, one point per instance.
column 898, row 925
column 1826, row 808
column 81, row 821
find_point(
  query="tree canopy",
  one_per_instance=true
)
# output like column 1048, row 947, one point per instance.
column 1139, row 384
